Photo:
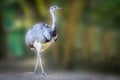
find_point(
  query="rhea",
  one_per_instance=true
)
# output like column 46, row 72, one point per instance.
column 41, row 36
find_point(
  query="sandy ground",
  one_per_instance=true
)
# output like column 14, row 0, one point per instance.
column 57, row 76
column 21, row 71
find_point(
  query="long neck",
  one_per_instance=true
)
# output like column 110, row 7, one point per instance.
column 53, row 20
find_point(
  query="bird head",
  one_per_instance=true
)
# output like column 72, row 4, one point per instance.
column 54, row 8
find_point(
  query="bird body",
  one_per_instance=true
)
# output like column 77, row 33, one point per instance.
column 41, row 33
column 40, row 36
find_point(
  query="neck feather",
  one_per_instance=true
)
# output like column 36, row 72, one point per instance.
column 53, row 20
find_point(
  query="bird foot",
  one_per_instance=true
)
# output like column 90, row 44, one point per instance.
column 35, row 72
column 44, row 74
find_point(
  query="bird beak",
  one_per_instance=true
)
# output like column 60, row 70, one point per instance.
column 59, row 8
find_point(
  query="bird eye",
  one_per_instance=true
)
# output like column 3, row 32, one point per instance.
column 54, row 7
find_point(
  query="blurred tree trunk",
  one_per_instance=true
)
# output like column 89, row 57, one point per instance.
column 2, row 35
column 42, row 8
column 27, row 12
column 90, row 7
column 105, row 45
column 88, row 41
column 73, row 14
column 57, row 52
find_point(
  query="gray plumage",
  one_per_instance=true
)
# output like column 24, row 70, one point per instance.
column 42, row 33
column 40, row 36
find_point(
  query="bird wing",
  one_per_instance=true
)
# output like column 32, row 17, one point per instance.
column 50, row 34
column 46, row 33
column 36, row 33
column 41, row 32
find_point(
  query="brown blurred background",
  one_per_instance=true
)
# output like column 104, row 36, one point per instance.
column 89, row 33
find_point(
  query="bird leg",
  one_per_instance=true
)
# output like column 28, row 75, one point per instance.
column 35, row 69
column 37, row 45
column 40, row 60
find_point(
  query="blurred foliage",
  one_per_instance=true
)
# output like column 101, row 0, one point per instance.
column 89, row 30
